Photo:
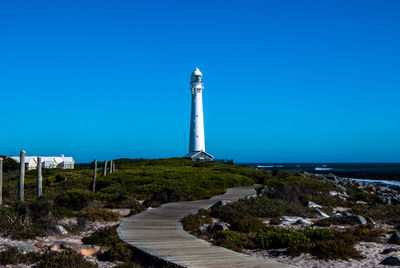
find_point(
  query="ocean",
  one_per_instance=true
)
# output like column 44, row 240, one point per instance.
column 388, row 173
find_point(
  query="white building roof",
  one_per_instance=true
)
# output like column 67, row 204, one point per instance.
column 197, row 72
column 27, row 158
column 56, row 159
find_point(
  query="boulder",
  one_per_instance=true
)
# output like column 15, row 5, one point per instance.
column 321, row 213
column 386, row 200
column 332, row 177
column 389, row 250
column 290, row 218
column 58, row 229
column 333, row 193
column 24, row 247
column 311, row 204
column 303, row 222
column 360, row 219
column 395, row 238
column 372, row 188
column 341, row 187
column 392, row 260
column 220, row 203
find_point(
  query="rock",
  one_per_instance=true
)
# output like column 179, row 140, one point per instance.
column 321, row 213
column 369, row 220
column 311, row 204
column 360, row 219
column 58, row 229
column 361, row 203
column 372, row 188
column 389, row 250
column 395, row 238
column 221, row 203
column 332, row 177
column 303, row 221
column 392, row 260
column 341, row 187
column 24, row 247
column 290, row 218
column 222, row 225
column 386, row 200
column 333, row 193
column 203, row 228
column 383, row 189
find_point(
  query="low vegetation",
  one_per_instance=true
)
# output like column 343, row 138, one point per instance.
column 287, row 194
column 48, row 259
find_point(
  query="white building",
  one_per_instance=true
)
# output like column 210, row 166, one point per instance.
column 47, row 162
column 197, row 148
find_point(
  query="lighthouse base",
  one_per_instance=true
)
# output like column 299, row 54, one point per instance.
column 199, row 156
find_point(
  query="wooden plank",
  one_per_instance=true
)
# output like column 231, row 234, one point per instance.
column 158, row 232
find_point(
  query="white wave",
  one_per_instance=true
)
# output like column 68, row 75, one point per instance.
column 322, row 169
column 394, row 183
column 261, row 166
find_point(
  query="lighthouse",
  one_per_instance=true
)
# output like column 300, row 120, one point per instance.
column 197, row 148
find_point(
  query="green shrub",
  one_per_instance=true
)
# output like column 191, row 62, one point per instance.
column 379, row 212
column 261, row 207
column 103, row 237
column 319, row 234
column 192, row 222
column 231, row 239
column 108, row 237
column 276, row 237
column 48, row 259
column 246, row 225
column 334, row 249
column 336, row 221
column 275, row 221
column 100, row 215
column 63, row 259
column 119, row 251
column 75, row 199
column 12, row 255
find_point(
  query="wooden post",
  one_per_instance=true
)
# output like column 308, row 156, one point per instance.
column 111, row 166
column 1, row 181
column 39, row 177
column 105, row 168
column 21, row 176
column 94, row 176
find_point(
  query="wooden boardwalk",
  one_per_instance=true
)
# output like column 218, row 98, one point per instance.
column 159, row 233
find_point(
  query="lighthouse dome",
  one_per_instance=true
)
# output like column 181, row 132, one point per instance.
column 197, row 72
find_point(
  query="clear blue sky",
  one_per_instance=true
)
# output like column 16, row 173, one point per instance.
column 285, row 81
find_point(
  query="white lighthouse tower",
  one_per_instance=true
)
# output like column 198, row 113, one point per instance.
column 197, row 148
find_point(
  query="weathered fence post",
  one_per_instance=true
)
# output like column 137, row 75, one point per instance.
column 1, row 181
column 111, row 166
column 39, row 177
column 21, row 176
column 94, row 176
column 105, row 168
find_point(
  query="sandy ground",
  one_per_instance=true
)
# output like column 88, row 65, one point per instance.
column 71, row 238
column 370, row 250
